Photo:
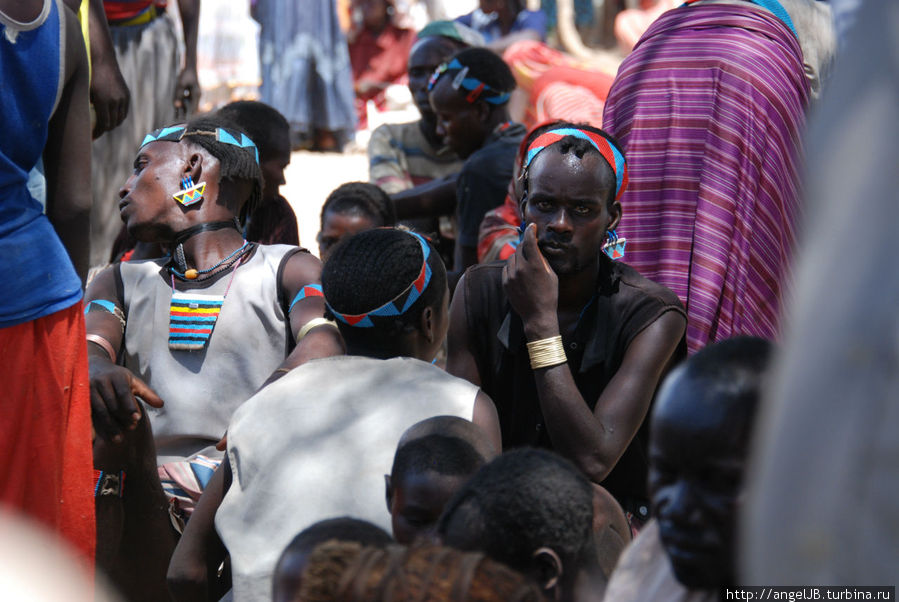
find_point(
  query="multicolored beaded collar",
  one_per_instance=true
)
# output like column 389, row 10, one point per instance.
column 174, row 133
column 394, row 307
column 477, row 90
column 609, row 151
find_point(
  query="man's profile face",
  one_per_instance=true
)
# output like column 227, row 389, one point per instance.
column 426, row 55
column 459, row 122
column 567, row 199
column 697, row 457
column 273, row 172
column 417, row 502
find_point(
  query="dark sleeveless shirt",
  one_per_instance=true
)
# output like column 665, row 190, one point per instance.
column 624, row 305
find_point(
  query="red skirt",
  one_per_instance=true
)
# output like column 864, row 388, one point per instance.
column 45, row 426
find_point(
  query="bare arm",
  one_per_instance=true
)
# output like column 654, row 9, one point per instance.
column 187, row 90
column 67, row 154
column 200, row 551
column 322, row 341
column 114, row 408
column 109, row 92
column 428, row 200
column 592, row 440
column 487, row 419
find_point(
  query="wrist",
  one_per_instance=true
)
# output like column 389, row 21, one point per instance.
column 542, row 327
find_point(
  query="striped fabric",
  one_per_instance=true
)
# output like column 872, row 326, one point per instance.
column 192, row 317
column 709, row 109
column 185, row 481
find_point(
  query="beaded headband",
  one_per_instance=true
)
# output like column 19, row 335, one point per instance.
column 392, row 307
column 608, row 150
column 174, row 133
column 477, row 90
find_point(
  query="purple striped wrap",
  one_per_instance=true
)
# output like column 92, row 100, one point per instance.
column 710, row 111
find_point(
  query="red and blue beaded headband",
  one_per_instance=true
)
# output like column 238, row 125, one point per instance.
column 608, row 150
column 477, row 90
column 392, row 307
column 174, row 133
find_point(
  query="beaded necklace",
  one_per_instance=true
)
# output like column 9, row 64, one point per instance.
column 200, row 275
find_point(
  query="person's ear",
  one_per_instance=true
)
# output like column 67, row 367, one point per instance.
column 193, row 167
column 548, row 568
column 388, row 493
column 483, row 111
column 614, row 215
column 427, row 323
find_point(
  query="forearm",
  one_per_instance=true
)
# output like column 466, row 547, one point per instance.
column 428, row 200
column 190, row 22
column 573, row 429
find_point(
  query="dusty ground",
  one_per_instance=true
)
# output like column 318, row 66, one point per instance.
column 310, row 178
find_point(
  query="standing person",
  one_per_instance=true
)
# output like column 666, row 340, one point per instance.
column 163, row 87
column 193, row 335
column 710, row 108
column 306, row 71
column 378, row 53
column 45, row 410
column 568, row 343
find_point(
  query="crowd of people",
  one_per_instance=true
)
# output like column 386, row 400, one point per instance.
column 530, row 361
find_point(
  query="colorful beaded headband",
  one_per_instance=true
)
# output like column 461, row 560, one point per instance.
column 608, row 150
column 477, row 90
column 392, row 307
column 174, row 133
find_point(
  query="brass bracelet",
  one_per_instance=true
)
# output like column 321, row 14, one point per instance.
column 314, row 322
column 103, row 344
column 546, row 353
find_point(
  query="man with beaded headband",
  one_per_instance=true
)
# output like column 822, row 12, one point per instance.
column 318, row 442
column 569, row 343
column 193, row 336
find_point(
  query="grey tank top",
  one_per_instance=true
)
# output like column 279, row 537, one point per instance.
column 201, row 389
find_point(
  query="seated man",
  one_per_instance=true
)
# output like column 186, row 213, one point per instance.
column 504, row 22
column 433, row 460
column 294, row 559
column 174, row 332
column 326, row 433
column 469, row 96
column 701, row 429
column 568, row 343
column 533, row 511
column 403, row 155
column 273, row 220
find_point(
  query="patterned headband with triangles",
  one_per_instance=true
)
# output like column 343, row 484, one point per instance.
column 174, row 133
column 393, row 307
column 609, row 152
column 477, row 90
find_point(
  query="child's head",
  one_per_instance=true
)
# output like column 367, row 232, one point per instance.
column 352, row 208
column 433, row 460
column 295, row 557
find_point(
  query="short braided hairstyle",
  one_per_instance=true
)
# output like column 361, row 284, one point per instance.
column 367, row 270
column 486, row 66
column 521, row 501
column 235, row 163
column 361, row 198
column 350, row 572
column 265, row 126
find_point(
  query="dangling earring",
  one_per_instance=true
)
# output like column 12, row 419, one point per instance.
column 614, row 246
column 190, row 193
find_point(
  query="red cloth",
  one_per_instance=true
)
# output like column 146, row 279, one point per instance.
column 45, row 426
column 127, row 9
column 378, row 59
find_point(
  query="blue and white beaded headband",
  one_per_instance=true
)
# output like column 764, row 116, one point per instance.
column 392, row 307
column 174, row 133
column 477, row 90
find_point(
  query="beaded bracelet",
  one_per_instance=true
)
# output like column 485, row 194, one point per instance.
column 547, row 352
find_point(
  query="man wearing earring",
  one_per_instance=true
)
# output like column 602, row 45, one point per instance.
column 570, row 344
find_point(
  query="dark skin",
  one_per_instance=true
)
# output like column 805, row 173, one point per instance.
column 67, row 152
column 416, row 502
column 200, row 547
column 697, row 459
column 567, row 215
column 135, row 537
column 507, row 11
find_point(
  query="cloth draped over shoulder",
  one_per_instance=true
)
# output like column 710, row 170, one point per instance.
column 710, row 109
